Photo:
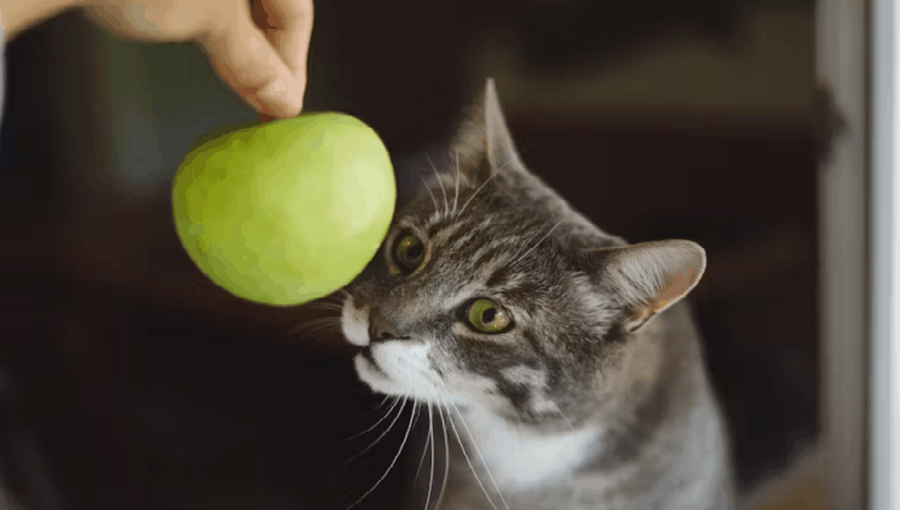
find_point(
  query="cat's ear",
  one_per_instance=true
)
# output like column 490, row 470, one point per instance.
column 648, row 277
column 501, row 148
column 484, row 144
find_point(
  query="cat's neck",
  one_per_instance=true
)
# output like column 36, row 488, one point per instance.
column 522, row 458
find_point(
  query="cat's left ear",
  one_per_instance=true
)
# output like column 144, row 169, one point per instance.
column 484, row 144
column 647, row 277
column 501, row 148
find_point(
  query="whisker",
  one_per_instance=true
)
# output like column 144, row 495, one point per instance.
column 338, row 298
column 317, row 334
column 478, row 451
column 384, row 400
column 399, row 451
column 327, row 328
column 330, row 317
column 305, row 327
column 456, row 195
column 330, row 300
column 434, row 200
column 324, row 317
column 326, row 310
column 564, row 417
column 386, row 414
column 468, row 460
column 399, row 413
column 424, row 453
column 576, row 492
column 538, row 243
column 480, row 188
column 324, row 306
column 431, row 436
column 316, row 325
column 446, row 458
column 441, row 182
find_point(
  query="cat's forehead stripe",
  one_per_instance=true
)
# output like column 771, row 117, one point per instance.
column 498, row 277
column 439, row 234
column 458, row 233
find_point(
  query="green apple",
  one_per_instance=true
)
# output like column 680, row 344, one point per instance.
column 286, row 212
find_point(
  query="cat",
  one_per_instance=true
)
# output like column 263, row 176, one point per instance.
column 559, row 365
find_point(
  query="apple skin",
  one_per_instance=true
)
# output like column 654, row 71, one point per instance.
column 288, row 211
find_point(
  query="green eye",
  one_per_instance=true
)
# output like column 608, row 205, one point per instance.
column 489, row 317
column 409, row 252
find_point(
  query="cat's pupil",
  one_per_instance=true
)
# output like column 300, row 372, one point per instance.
column 414, row 252
column 489, row 315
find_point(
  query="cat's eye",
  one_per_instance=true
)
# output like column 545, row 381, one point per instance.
column 409, row 252
column 487, row 316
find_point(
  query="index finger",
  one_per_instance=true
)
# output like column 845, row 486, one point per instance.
column 288, row 26
column 243, row 56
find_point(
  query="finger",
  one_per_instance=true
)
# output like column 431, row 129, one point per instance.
column 245, row 59
column 288, row 25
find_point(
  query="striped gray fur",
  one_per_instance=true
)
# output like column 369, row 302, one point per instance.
column 596, row 397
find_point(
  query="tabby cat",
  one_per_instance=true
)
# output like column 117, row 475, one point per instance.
column 559, row 365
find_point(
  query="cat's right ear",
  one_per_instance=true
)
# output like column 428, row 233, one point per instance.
column 647, row 278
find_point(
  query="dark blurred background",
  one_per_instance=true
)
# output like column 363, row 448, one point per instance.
column 128, row 381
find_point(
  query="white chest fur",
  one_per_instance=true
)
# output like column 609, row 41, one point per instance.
column 521, row 461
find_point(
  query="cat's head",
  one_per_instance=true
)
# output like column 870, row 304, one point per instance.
column 492, row 292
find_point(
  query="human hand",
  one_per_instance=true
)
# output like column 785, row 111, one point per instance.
column 260, row 52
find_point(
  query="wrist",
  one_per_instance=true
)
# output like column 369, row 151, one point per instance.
column 19, row 15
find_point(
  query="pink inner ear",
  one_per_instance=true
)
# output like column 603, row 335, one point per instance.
column 674, row 289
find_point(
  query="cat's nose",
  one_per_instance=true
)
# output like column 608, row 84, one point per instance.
column 381, row 330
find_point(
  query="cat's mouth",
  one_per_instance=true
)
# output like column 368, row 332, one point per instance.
column 396, row 368
column 370, row 372
column 369, row 356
